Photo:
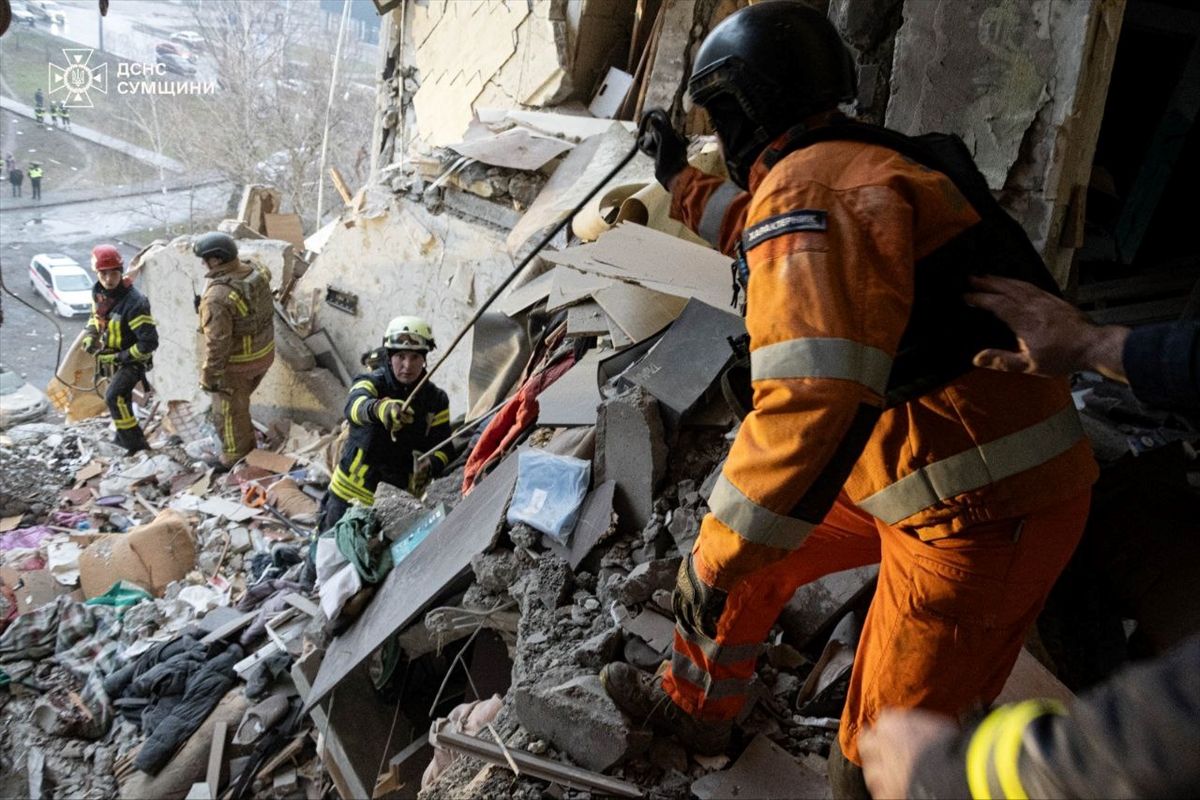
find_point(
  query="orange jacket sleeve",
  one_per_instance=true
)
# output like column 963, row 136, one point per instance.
column 715, row 208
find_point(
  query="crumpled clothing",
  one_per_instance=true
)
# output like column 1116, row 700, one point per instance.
column 267, row 597
column 120, row 595
column 25, row 538
column 358, row 539
column 83, row 640
column 204, row 690
column 507, row 425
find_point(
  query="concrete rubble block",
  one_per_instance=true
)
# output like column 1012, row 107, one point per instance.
column 645, row 579
column 685, row 527
column 552, row 583
column 816, row 604
column 631, row 449
column 579, row 718
column 497, row 570
column 765, row 770
column 599, row 649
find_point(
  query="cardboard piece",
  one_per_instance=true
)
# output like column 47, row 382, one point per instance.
column 92, row 470
column 688, row 359
column 639, row 312
column 595, row 520
column 611, row 94
column 274, row 463
column 150, row 555
column 587, row 319
column 471, row 528
column 517, row 148
column 33, row 588
column 655, row 260
column 573, row 398
column 9, row 523
column 765, row 770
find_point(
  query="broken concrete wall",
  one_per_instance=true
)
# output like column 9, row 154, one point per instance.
column 1024, row 84
column 402, row 259
column 171, row 276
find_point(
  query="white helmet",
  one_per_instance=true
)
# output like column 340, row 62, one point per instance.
column 408, row 333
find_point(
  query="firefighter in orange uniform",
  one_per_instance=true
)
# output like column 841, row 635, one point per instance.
column 871, row 438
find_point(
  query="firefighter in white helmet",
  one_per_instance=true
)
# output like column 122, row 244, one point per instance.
column 386, row 440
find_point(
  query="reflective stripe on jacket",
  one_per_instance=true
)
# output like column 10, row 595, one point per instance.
column 833, row 234
column 121, row 322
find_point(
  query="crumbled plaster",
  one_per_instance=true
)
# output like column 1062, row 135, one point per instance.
column 486, row 53
column 405, row 261
column 1022, row 83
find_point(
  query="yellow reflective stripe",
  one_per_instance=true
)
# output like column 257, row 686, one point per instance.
column 344, row 487
column 840, row 359
column 753, row 522
column 230, row 442
column 972, row 469
column 137, row 355
column 978, row 753
column 441, row 418
column 442, row 457
column 242, row 308
column 1007, row 754
column 354, row 409
column 125, row 420
column 257, row 354
column 139, row 321
column 366, row 386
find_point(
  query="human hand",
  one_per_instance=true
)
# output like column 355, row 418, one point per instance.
column 659, row 140
column 393, row 415
column 107, row 360
column 91, row 345
column 1053, row 337
column 892, row 747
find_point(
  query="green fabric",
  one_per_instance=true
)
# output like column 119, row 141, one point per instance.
column 358, row 539
column 5, row 680
column 121, row 594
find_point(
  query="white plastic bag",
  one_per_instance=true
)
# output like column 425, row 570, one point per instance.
column 549, row 491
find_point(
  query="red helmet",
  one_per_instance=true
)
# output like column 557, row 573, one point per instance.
column 105, row 256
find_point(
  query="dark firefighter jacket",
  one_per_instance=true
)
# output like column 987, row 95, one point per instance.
column 370, row 455
column 121, row 322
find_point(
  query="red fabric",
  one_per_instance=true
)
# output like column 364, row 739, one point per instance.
column 511, row 420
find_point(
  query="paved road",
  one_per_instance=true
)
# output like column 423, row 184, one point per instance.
column 28, row 341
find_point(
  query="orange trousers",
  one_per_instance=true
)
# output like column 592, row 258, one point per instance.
column 947, row 622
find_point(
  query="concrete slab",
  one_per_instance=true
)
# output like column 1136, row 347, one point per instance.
column 681, row 368
column 631, row 450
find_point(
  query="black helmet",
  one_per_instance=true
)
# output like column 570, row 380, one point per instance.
column 765, row 68
column 216, row 245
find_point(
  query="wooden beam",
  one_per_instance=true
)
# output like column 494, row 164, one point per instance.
column 216, row 757
column 339, row 183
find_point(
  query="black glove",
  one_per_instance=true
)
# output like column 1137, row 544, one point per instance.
column 660, row 141
column 697, row 605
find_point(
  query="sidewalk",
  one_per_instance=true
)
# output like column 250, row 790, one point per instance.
column 69, row 196
column 103, row 139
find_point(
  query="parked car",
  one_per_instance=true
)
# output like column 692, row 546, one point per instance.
column 48, row 10
column 62, row 283
column 176, row 64
column 170, row 48
column 189, row 39
column 19, row 400
column 21, row 14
